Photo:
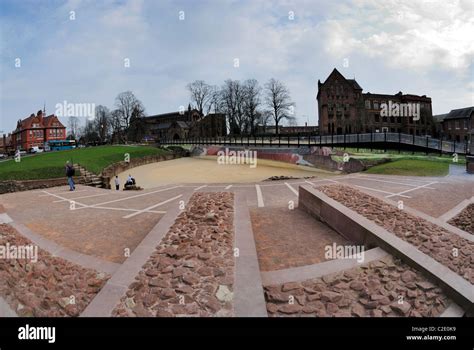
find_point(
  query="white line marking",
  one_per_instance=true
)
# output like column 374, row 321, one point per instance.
column 291, row 188
column 198, row 188
column 122, row 199
column 63, row 192
column 65, row 199
column 152, row 207
column 73, row 199
column 392, row 182
column 411, row 189
column 126, row 209
column 385, row 192
column 228, row 187
column 260, row 203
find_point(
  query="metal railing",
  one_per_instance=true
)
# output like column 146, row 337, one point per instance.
column 375, row 140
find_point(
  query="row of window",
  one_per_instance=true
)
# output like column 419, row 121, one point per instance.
column 377, row 104
column 396, row 120
column 456, row 124
column 52, row 132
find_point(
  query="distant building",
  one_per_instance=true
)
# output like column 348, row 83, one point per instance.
column 6, row 146
column 344, row 109
column 186, row 124
column 36, row 130
column 458, row 124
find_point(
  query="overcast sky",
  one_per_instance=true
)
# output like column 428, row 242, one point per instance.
column 419, row 47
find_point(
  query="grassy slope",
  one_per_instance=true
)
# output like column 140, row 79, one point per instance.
column 411, row 167
column 51, row 164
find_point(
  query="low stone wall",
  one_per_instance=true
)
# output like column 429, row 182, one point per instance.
column 319, row 157
column 26, row 185
column 114, row 169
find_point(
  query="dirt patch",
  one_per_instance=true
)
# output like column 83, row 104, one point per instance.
column 50, row 287
column 383, row 288
column 191, row 273
column 445, row 247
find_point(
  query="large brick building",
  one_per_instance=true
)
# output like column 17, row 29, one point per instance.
column 36, row 130
column 344, row 109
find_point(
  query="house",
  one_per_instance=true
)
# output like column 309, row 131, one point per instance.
column 36, row 130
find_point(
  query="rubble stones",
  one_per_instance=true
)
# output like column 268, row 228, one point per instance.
column 191, row 272
column 50, row 287
column 363, row 294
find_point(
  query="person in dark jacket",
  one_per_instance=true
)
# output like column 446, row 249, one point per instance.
column 70, row 171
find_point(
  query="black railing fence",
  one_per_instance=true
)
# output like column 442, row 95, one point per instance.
column 384, row 141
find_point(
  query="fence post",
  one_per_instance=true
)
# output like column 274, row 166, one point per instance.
column 288, row 141
column 298, row 140
column 427, row 144
column 357, row 141
column 344, row 141
column 371, row 141
column 279, row 140
column 454, row 146
column 270, row 141
column 309, row 140
column 440, row 145
column 262, row 141
column 399, row 142
column 385, row 141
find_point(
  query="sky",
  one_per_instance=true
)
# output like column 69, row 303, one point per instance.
column 53, row 51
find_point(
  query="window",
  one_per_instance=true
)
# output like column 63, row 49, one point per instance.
column 367, row 104
column 376, row 105
column 457, row 124
column 465, row 124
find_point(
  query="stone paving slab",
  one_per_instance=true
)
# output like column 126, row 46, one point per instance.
column 249, row 300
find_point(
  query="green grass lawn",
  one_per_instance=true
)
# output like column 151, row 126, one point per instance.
column 51, row 164
column 411, row 167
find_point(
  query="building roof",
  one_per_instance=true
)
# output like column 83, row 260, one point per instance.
column 440, row 117
column 354, row 84
column 460, row 113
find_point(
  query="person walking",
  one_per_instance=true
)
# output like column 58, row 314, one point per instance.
column 117, row 183
column 70, row 171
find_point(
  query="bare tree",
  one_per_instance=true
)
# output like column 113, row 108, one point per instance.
column 251, row 103
column 102, row 122
column 278, row 100
column 125, row 103
column 73, row 125
column 201, row 94
column 136, row 129
column 232, row 100
column 116, row 125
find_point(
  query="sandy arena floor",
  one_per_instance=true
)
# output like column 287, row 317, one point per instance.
column 207, row 170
